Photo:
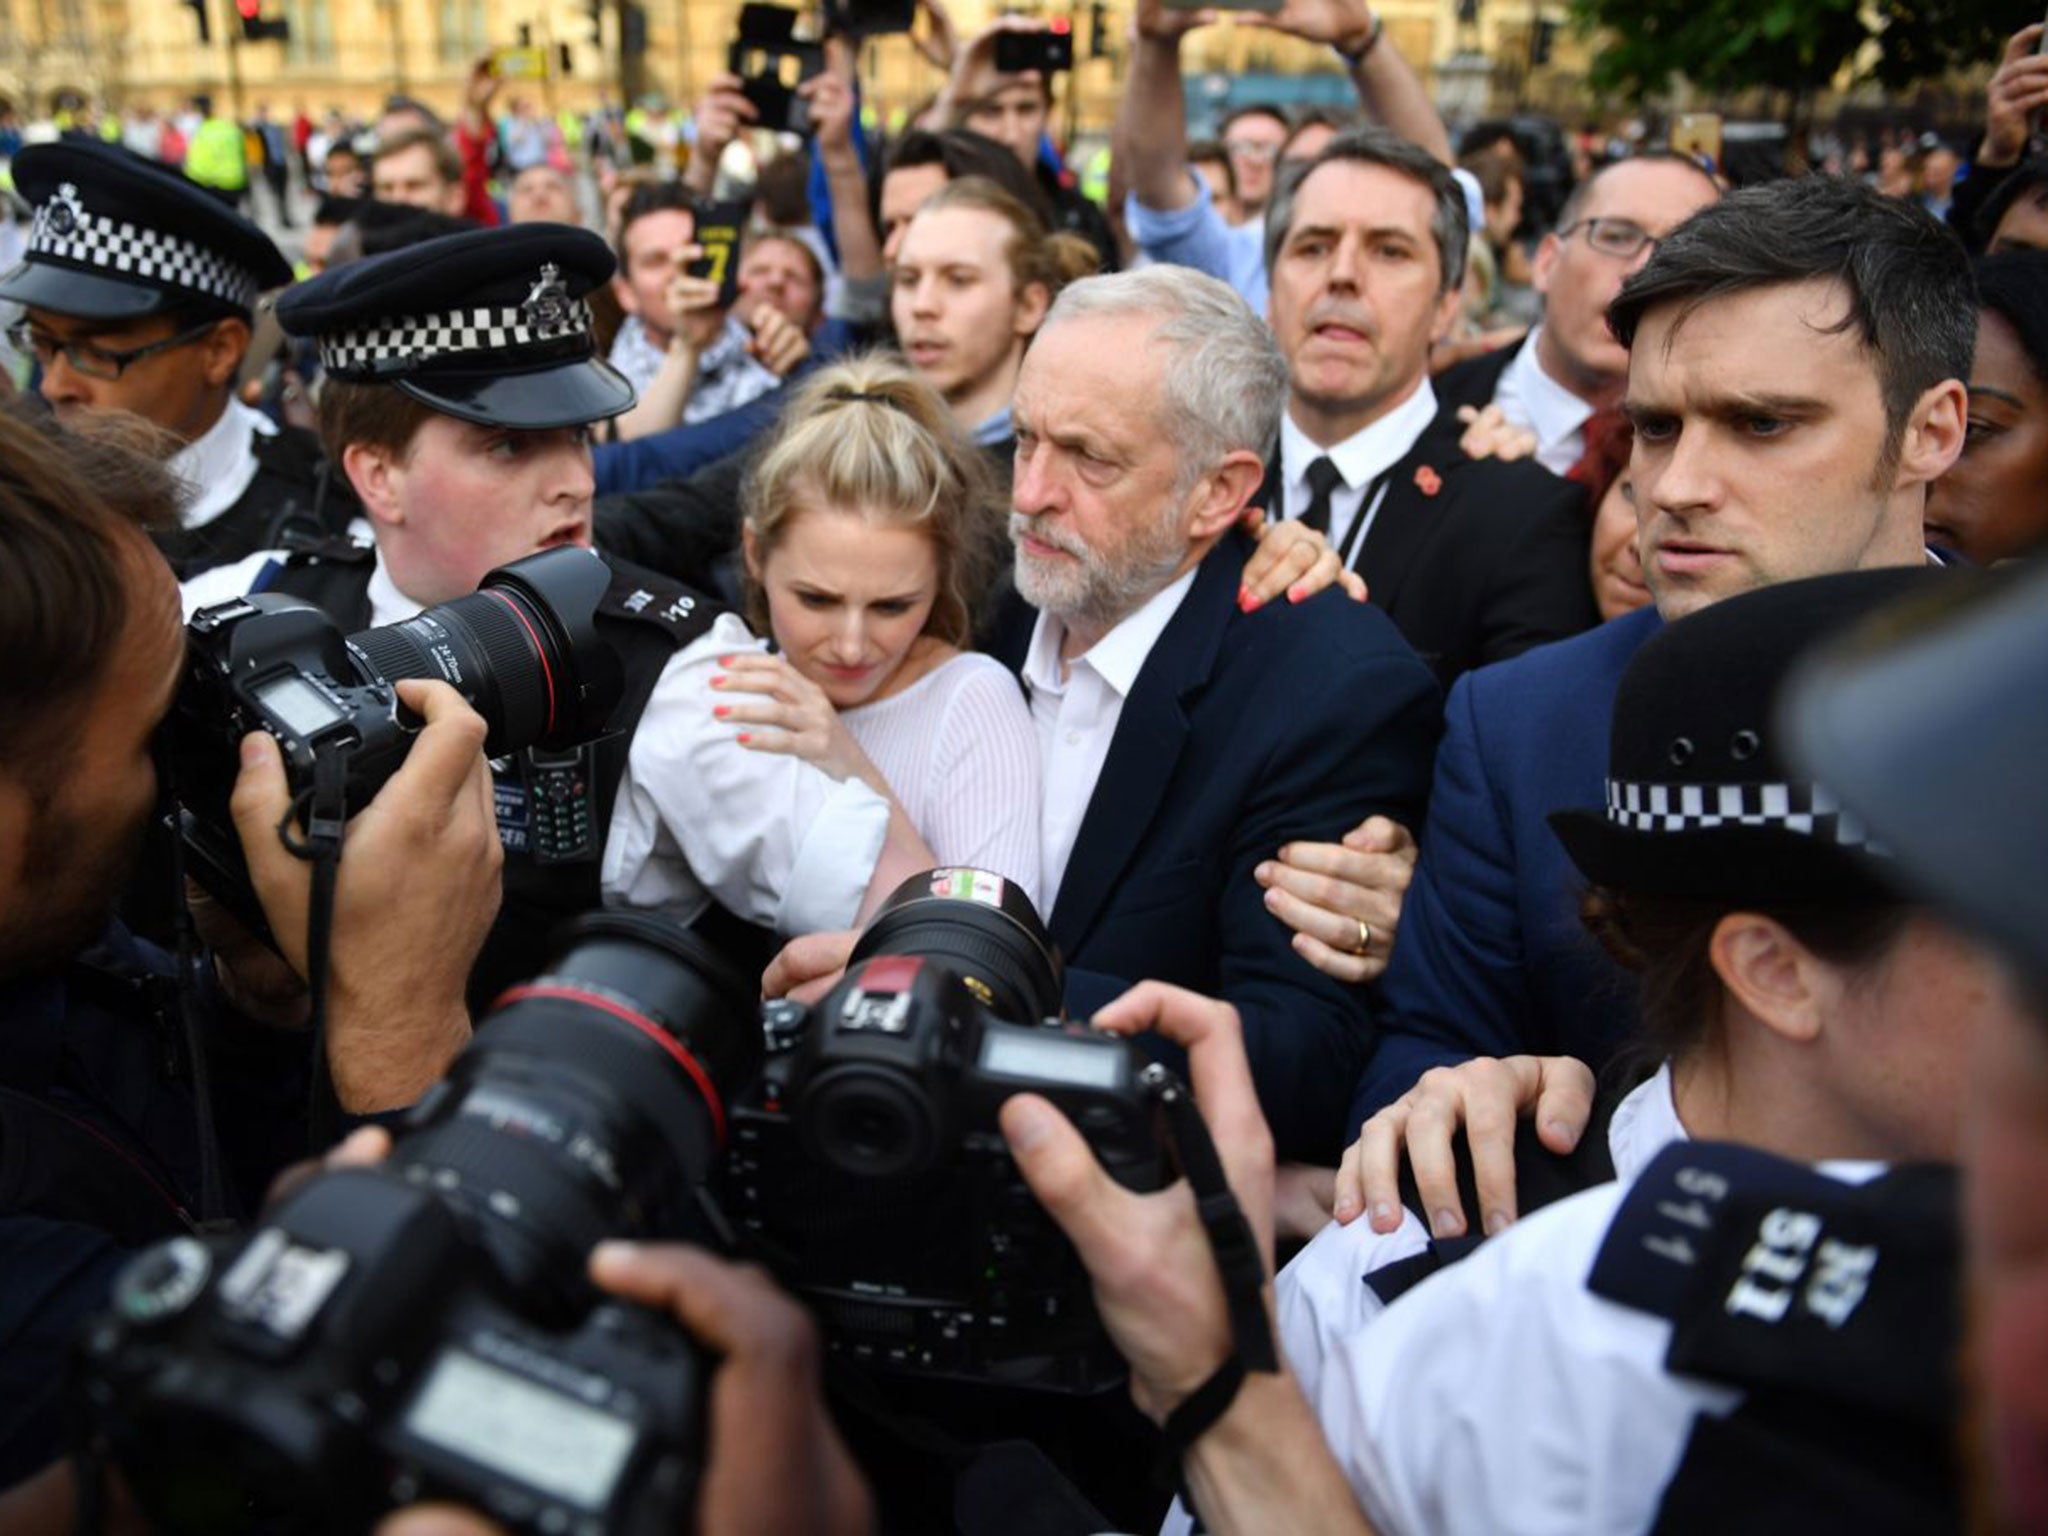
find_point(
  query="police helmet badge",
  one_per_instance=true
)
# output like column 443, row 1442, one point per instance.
column 547, row 306
column 64, row 212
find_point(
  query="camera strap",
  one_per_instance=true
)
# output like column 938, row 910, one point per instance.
column 324, row 811
column 1238, row 1263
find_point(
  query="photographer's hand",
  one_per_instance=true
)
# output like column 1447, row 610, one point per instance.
column 415, row 892
column 1262, row 1466
column 774, row 1463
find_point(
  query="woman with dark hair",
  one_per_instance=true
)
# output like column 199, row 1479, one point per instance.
column 1993, row 503
column 1554, row 1380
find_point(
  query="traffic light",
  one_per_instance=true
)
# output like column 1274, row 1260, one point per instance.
column 1546, row 34
column 198, row 8
column 632, row 30
column 255, row 28
column 1098, row 30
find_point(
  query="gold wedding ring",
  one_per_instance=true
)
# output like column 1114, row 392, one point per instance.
column 1364, row 936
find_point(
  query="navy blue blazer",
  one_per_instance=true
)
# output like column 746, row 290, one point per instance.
column 1492, row 959
column 1244, row 732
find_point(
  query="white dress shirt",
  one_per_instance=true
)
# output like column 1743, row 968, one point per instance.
column 216, row 467
column 1531, row 398
column 1360, row 459
column 1076, row 707
column 699, row 817
column 1502, row 1396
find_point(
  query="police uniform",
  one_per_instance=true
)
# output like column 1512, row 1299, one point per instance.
column 1722, row 1339
column 117, row 238
column 671, row 813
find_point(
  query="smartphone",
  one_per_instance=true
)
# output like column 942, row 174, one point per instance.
column 869, row 18
column 769, row 76
column 1697, row 134
column 768, row 26
column 1048, row 52
column 719, row 227
column 1268, row 6
column 519, row 63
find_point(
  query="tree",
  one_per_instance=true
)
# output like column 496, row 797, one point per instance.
column 1723, row 46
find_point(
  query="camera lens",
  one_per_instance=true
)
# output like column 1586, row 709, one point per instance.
column 523, row 649
column 592, row 1103
column 980, row 927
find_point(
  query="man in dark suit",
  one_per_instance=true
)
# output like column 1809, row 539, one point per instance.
column 1184, row 740
column 1570, row 366
column 1475, row 561
column 1798, row 352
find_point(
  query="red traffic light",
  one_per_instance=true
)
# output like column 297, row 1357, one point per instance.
column 1062, row 25
column 249, row 9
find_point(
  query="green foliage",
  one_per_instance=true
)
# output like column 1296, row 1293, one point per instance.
column 1733, row 45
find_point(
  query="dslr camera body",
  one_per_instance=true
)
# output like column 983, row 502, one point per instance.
column 424, row 1329
column 868, row 1171
column 523, row 649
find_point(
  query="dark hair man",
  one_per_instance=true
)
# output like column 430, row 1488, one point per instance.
column 690, row 359
column 96, row 1074
column 139, row 290
column 1252, row 137
column 1475, row 561
column 1570, row 365
column 419, row 167
column 461, row 383
column 1016, row 111
column 1797, row 353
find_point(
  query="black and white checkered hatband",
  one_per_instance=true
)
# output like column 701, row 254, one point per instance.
column 509, row 336
column 66, row 230
column 1805, row 809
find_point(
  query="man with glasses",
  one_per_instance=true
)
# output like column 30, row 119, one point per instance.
column 138, row 291
column 1571, row 366
column 1252, row 138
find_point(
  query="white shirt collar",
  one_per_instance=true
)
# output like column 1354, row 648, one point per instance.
column 216, row 467
column 388, row 605
column 1366, row 453
column 1552, row 412
column 1644, row 1124
column 1118, row 656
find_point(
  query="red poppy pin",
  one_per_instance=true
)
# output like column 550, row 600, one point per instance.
column 1428, row 481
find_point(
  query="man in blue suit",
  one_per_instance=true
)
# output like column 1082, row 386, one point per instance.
column 1795, row 379
column 1183, row 741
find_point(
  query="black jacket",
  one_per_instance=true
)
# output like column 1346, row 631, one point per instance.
column 1473, row 382
column 293, row 492
column 1474, row 560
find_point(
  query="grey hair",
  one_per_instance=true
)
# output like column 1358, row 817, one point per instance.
column 1449, row 225
column 1225, row 382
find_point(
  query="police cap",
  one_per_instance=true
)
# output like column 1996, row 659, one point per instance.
column 488, row 325
column 1932, row 725
column 116, row 237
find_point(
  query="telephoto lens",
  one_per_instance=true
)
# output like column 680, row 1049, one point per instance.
column 982, row 929
column 522, row 648
column 425, row 1329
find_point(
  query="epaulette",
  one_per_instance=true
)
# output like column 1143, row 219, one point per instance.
column 650, row 598
column 1774, row 1275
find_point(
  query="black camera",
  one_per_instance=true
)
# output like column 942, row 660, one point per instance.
column 1048, row 52
column 424, row 1329
column 523, row 649
column 868, row 1171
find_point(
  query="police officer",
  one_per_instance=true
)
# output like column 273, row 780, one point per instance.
column 139, row 290
column 461, row 382
column 1754, row 1328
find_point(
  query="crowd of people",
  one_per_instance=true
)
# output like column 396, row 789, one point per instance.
column 1532, row 712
